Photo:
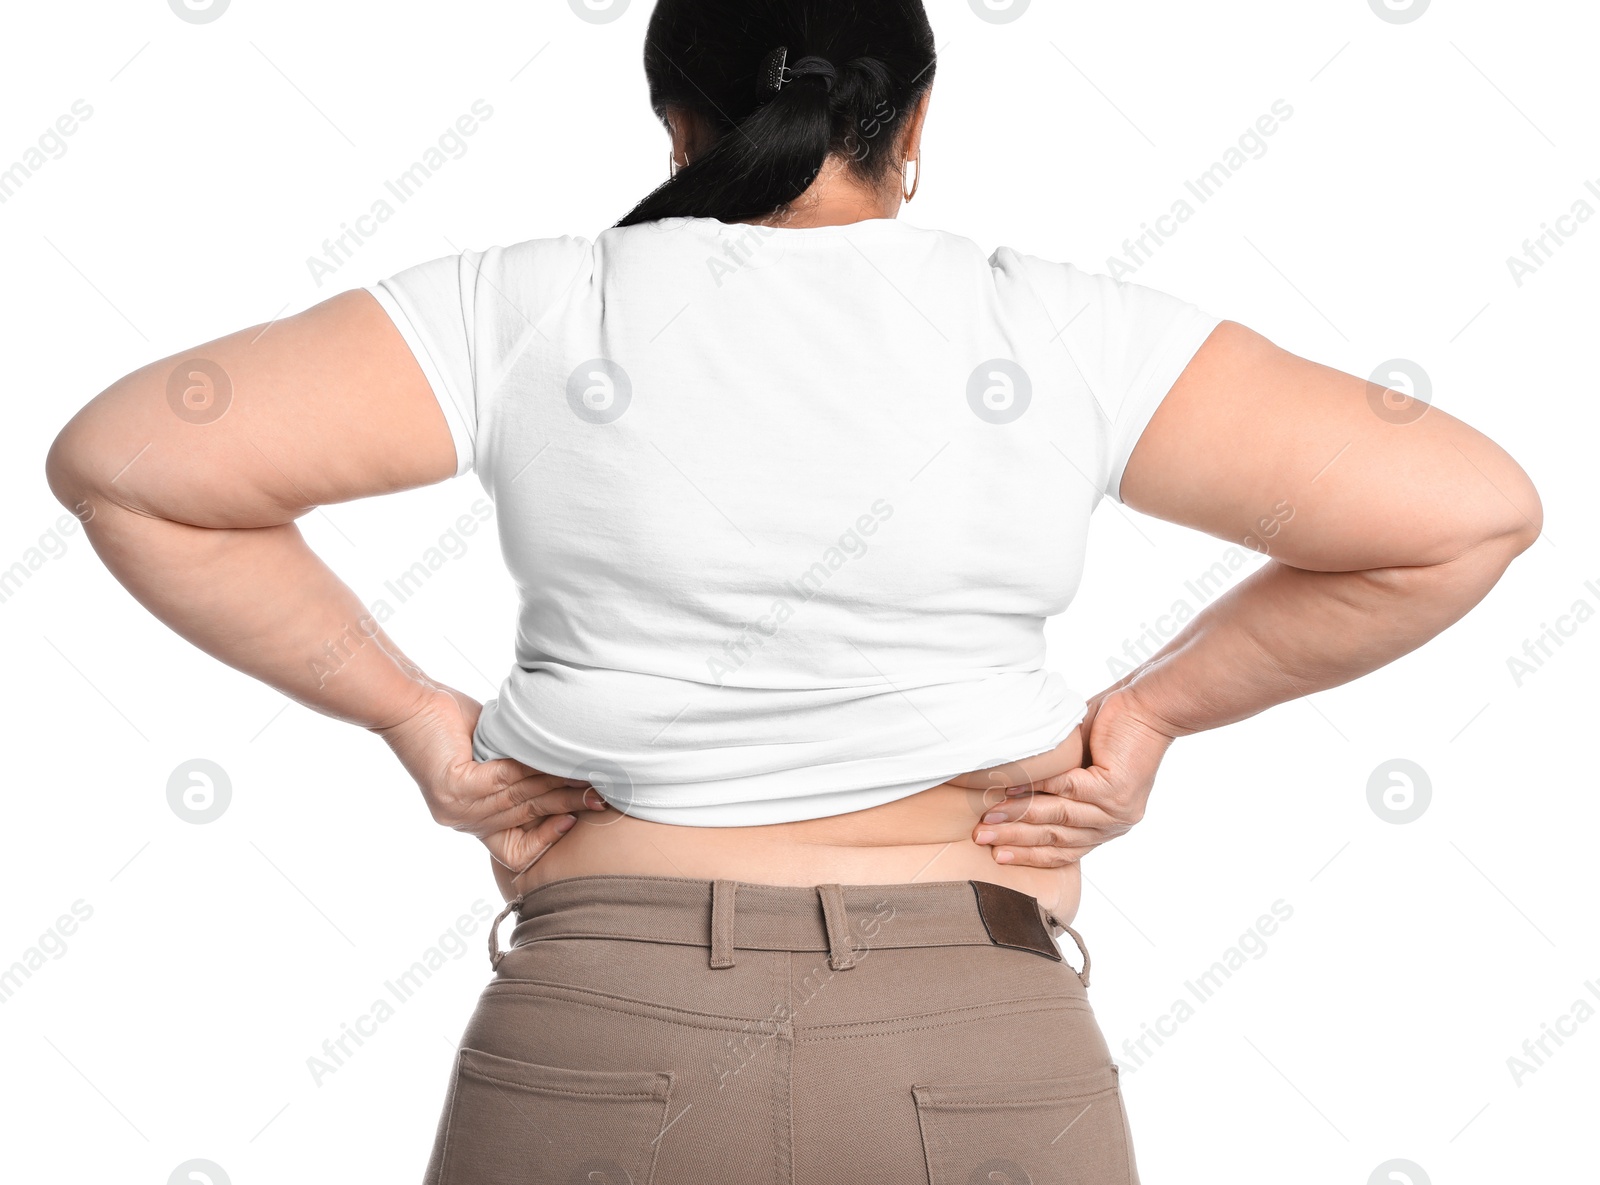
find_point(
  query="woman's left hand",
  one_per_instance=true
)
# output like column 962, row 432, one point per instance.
column 517, row 812
column 1058, row 820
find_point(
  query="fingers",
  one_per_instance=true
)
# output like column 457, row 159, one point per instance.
column 498, row 795
column 1027, row 771
column 1042, row 835
column 576, row 801
column 1040, row 857
column 1074, row 783
column 1046, row 831
column 1048, row 808
column 519, row 784
column 519, row 848
column 1121, row 795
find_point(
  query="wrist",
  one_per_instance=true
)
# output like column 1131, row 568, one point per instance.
column 425, row 701
column 1144, row 699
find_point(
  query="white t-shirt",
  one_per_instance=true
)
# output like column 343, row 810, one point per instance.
column 787, row 508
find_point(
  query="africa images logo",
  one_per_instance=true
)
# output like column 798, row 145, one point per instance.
column 198, row 12
column 1399, row 12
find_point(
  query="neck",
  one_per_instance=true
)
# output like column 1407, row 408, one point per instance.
column 834, row 199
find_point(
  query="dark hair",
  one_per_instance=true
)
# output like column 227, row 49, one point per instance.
column 711, row 57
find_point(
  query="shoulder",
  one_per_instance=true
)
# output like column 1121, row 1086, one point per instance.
column 502, row 280
column 1088, row 300
column 538, row 269
column 568, row 248
column 1054, row 281
column 1038, row 283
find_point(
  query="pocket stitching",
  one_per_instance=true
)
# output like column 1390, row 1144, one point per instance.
column 1098, row 1081
column 962, row 1104
column 470, row 1064
column 926, row 1105
column 465, row 1069
column 561, row 1090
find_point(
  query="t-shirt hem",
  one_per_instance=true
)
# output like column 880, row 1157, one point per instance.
column 764, row 812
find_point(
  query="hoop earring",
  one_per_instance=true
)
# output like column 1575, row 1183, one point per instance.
column 917, row 183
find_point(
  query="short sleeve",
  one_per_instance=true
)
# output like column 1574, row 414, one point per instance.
column 465, row 317
column 1129, row 344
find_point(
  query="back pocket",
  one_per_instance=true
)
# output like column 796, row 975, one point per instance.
column 517, row 1123
column 1035, row 1132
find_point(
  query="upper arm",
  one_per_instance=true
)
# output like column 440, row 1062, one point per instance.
column 373, row 391
column 256, row 428
column 1321, row 469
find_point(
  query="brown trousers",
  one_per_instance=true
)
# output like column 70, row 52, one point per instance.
column 648, row 1030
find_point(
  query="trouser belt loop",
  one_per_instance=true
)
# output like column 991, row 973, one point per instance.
column 495, row 953
column 722, row 923
column 1083, row 950
column 841, row 956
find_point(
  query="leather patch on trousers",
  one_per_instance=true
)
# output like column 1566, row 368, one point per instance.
column 1012, row 919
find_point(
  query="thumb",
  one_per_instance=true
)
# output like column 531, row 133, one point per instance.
column 1082, row 784
column 503, row 772
column 1074, row 783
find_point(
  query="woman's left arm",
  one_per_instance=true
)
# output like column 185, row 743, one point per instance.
column 189, row 474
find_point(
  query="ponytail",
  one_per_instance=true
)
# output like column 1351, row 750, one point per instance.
column 857, row 72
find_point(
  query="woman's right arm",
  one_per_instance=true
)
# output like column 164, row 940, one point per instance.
column 1385, row 520
column 1389, row 521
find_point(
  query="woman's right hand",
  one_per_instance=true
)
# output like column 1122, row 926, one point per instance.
column 1058, row 820
column 518, row 812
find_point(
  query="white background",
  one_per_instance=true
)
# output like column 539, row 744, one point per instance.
column 176, row 1022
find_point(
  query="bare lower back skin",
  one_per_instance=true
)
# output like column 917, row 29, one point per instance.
column 924, row 837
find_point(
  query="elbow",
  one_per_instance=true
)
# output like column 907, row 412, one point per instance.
column 1497, row 513
column 66, row 468
column 1533, row 519
column 78, row 466
column 1522, row 519
column 1506, row 529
